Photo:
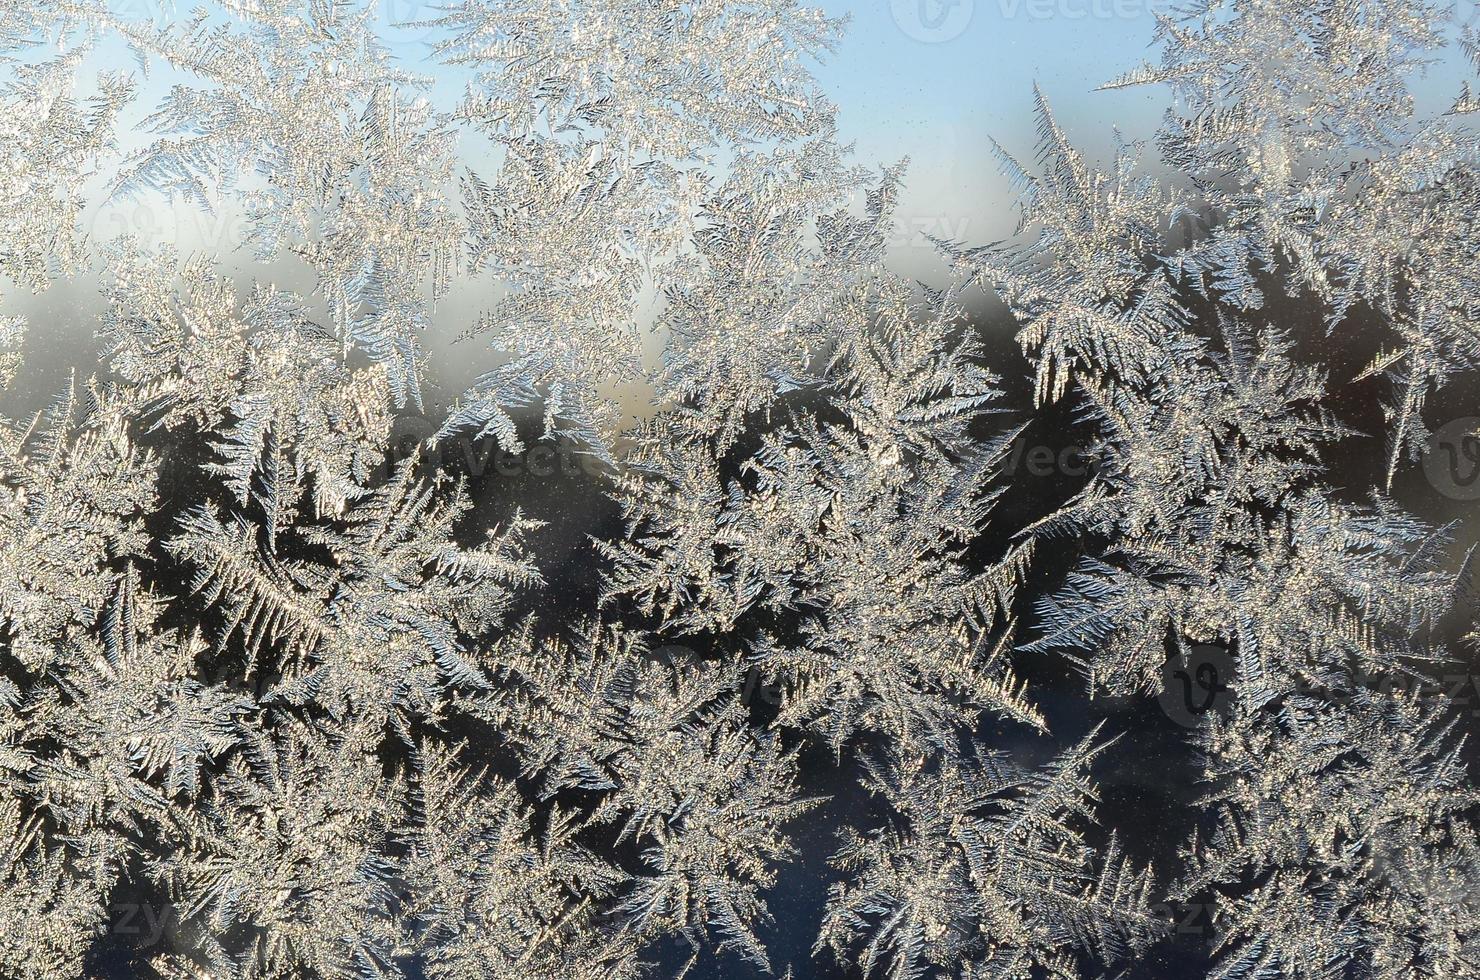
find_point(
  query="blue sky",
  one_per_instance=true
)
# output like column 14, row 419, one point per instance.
column 932, row 80
column 935, row 79
column 927, row 79
column 935, row 82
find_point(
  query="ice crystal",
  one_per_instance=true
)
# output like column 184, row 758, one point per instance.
column 314, row 707
column 988, row 872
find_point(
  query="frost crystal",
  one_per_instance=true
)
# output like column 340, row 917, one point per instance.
column 282, row 699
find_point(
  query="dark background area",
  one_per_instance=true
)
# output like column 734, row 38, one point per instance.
column 1149, row 778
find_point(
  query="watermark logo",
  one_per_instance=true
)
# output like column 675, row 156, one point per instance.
column 1083, row 9
column 410, row 20
column 1197, row 686
column 932, row 21
column 1465, row 14
column 153, row 221
column 920, row 231
column 142, row 13
column 1459, row 692
column 755, row 686
column 464, row 450
column 145, row 924
column 1452, row 462
column 938, row 21
column 1185, row 919
column 1045, row 461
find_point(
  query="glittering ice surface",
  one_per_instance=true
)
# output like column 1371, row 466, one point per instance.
column 517, row 522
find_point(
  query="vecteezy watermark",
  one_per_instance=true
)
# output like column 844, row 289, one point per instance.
column 1465, row 15
column 932, row 21
column 1202, row 685
column 1451, row 463
column 153, row 221
column 1083, row 9
column 1185, row 918
column 142, row 13
column 410, row 20
column 1043, row 460
column 1459, row 691
column 415, row 436
column 939, row 21
column 144, row 924
column 921, row 231
column 754, row 684
column 1198, row 686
